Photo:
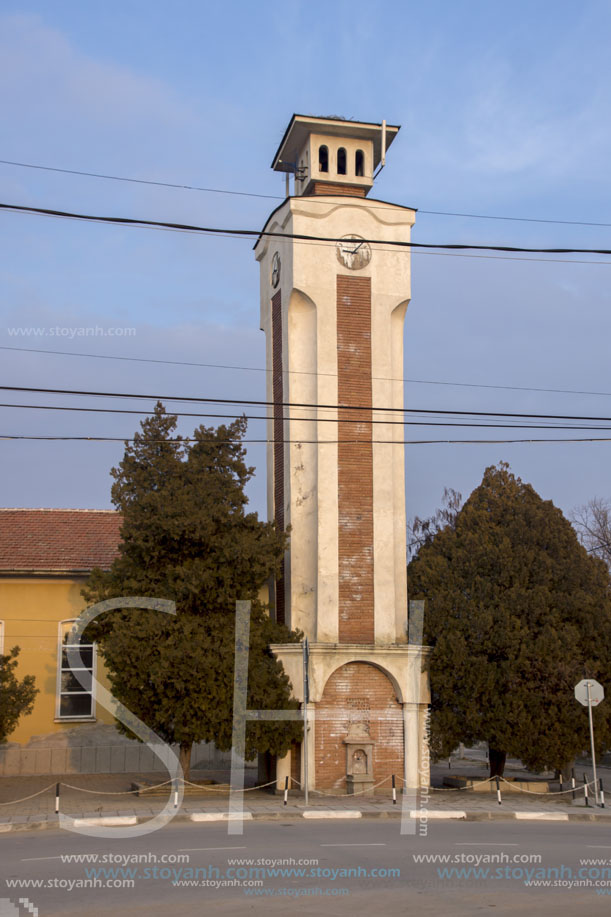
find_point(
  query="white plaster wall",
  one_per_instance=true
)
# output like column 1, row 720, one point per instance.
column 303, row 462
column 309, row 155
column 403, row 664
column 308, row 285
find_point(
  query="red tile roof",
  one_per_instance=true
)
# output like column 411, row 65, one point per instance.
column 58, row 540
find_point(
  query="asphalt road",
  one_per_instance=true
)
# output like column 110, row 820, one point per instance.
column 384, row 875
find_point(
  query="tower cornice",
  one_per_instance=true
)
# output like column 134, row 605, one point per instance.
column 367, row 204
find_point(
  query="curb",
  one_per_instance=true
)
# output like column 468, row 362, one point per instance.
column 105, row 821
column 332, row 813
column 219, row 816
column 324, row 814
column 438, row 813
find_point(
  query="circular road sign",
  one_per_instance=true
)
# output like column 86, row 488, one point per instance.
column 597, row 692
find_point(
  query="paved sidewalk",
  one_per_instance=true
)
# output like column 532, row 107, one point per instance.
column 107, row 796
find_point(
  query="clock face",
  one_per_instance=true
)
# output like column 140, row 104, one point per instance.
column 275, row 270
column 353, row 252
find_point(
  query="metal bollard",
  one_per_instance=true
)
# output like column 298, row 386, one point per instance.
column 498, row 790
column 573, row 782
column 286, row 790
column 585, row 790
column 602, row 793
column 57, row 798
column 561, row 784
column 394, row 791
column 175, row 792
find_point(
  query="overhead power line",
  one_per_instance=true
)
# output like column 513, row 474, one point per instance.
column 139, row 181
column 313, row 442
column 299, row 372
column 221, row 234
column 304, row 237
column 301, row 404
column 278, row 197
column 337, row 420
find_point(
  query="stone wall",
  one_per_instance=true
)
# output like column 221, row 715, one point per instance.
column 94, row 750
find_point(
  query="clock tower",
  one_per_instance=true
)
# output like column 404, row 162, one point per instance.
column 334, row 292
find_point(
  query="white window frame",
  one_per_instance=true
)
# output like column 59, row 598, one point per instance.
column 63, row 627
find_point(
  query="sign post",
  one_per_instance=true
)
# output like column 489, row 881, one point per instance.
column 306, row 699
column 590, row 693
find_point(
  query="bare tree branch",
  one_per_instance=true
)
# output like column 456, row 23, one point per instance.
column 421, row 531
column 593, row 525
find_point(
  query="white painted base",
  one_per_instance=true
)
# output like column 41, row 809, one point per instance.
column 333, row 813
column 108, row 821
column 221, row 816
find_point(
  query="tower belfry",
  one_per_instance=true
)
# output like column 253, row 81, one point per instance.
column 333, row 303
column 332, row 155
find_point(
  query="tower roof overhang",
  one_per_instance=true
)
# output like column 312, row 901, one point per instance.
column 300, row 126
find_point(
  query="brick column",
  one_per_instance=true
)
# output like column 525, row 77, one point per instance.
column 355, row 460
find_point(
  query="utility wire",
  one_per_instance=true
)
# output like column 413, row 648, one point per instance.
column 249, row 233
column 299, row 372
column 313, row 442
column 222, row 234
column 278, row 197
column 502, row 257
column 138, row 181
column 338, row 420
column 297, row 404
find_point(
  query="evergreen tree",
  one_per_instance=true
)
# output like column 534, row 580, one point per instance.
column 187, row 536
column 16, row 697
column 516, row 613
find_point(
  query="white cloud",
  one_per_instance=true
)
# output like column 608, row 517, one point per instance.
column 39, row 61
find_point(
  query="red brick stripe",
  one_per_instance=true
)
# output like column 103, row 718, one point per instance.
column 323, row 187
column 358, row 695
column 355, row 461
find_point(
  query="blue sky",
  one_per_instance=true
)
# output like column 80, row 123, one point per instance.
column 504, row 110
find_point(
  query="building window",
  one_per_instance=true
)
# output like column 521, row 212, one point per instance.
column 323, row 159
column 341, row 161
column 75, row 696
column 359, row 163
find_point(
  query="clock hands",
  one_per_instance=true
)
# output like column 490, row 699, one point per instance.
column 353, row 252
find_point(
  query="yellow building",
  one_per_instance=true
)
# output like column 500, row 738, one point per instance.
column 46, row 556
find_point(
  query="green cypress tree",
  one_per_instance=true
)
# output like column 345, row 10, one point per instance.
column 187, row 536
column 516, row 612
